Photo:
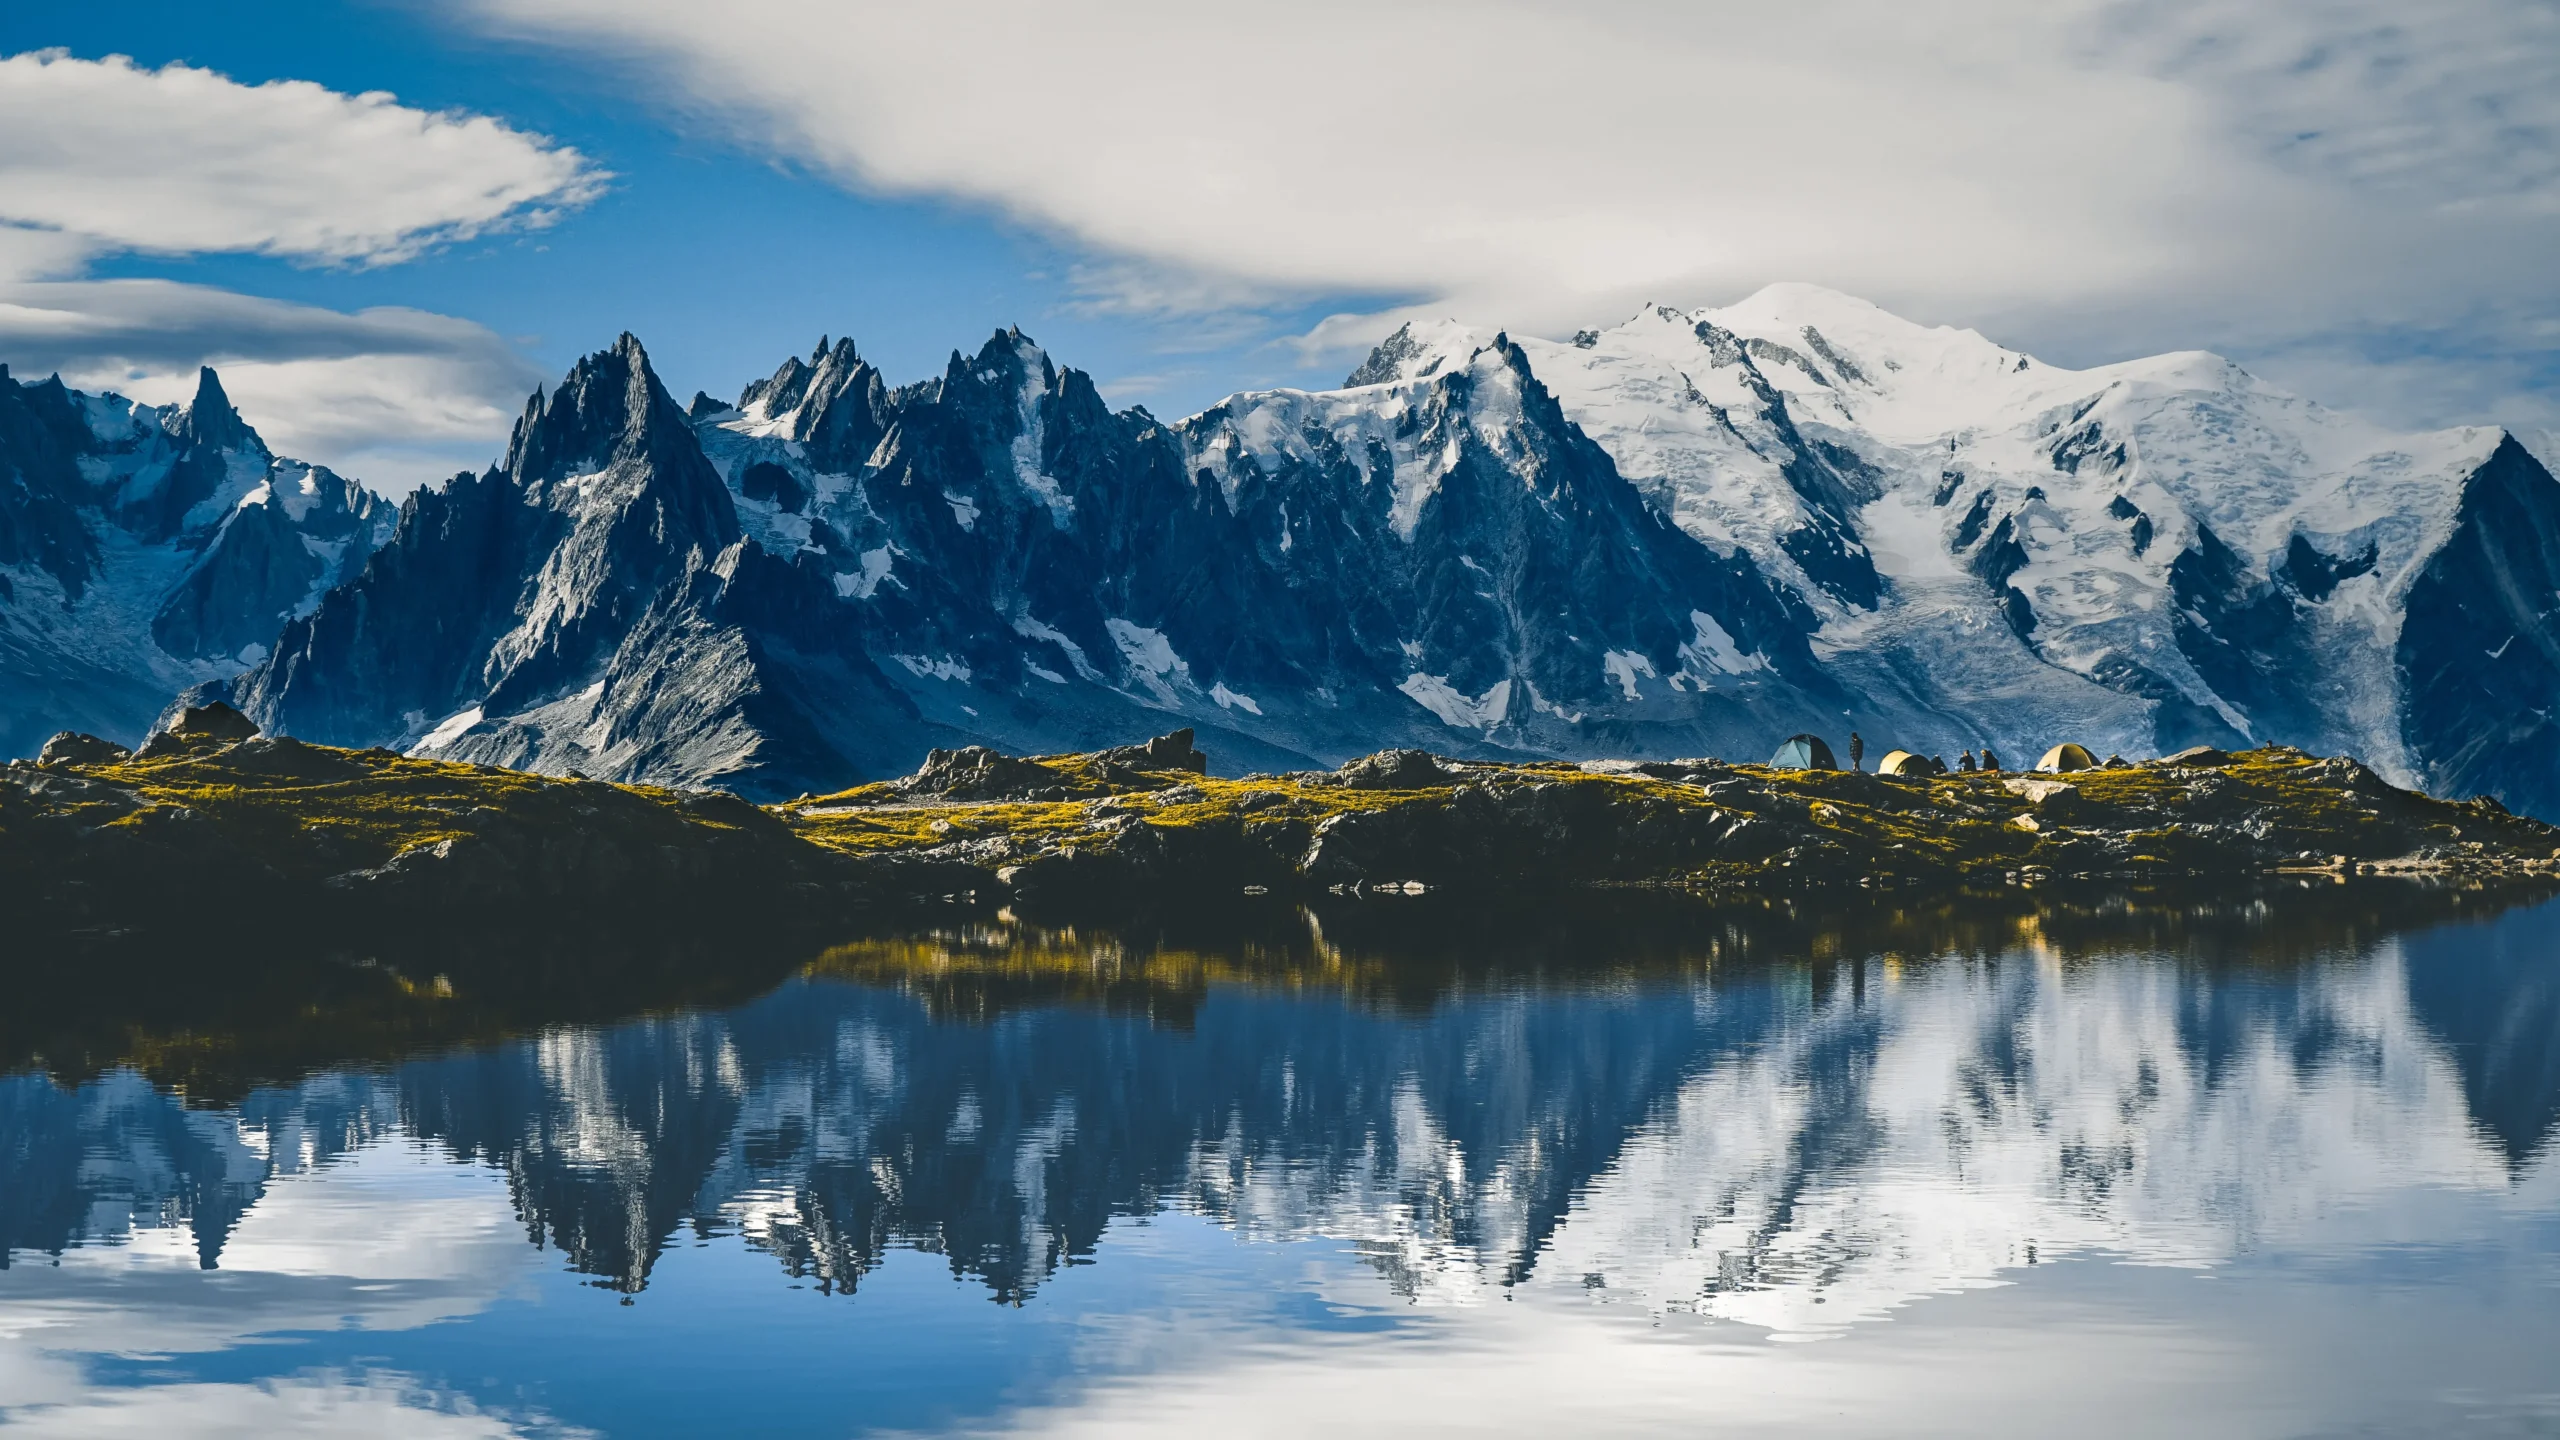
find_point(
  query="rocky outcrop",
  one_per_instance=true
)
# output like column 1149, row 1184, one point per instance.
column 73, row 748
column 1393, row 770
column 978, row 773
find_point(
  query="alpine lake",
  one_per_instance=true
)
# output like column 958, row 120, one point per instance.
column 2274, row 1160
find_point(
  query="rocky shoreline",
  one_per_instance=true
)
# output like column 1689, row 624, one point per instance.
column 210, row 817
column 1075, row 827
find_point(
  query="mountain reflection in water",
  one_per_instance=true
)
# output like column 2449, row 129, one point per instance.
column 1744, row 1112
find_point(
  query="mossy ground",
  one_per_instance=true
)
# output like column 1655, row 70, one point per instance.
column 282, row 803
column 874, row 819
column 2277, row 806
column 311, row 812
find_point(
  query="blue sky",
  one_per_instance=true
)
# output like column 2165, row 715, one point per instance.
column 723, row 260
column 1188, row 202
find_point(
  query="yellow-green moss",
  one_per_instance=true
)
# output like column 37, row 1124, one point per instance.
column 370, row 805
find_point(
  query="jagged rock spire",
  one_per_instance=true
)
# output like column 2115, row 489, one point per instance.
column 210, row 419
column 609, row 407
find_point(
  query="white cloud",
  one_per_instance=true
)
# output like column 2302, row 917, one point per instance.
column 105, row 157
column 394, row 397
column 2545, row 445
column 2087, row 175
column 187, row 161
column 318, row 1404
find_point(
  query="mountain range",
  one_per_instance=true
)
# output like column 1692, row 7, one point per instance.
column 1692, row 533
column 143, row 550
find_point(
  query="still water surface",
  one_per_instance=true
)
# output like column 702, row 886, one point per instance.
column 2232, row 1170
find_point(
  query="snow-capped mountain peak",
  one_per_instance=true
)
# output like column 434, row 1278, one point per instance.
column 1418, row 350
column 143, row 549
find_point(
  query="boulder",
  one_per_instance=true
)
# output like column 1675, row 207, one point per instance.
column 286, row 757
column 2040, row 792
column 216, row 721
column 1395, row 770
column 978, row 773
column 71, row 747
column 2200, row 756
column 1165, row 752
column 213, row 724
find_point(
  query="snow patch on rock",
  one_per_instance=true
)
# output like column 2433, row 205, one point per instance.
column 1455, row 708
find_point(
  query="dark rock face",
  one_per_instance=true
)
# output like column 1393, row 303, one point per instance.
column 593, row 601
column 42, row 436
column 2240, row 635
column 2483, row 662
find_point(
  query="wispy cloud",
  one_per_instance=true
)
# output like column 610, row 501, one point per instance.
column 110, row 156
column 394, row 396
column 105, row 157
column 2088, row 175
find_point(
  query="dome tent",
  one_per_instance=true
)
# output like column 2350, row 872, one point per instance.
column 2067, row 757
column 1907, row 765
column 1803, row 752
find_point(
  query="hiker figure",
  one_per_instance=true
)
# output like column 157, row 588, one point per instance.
column 1989, row 760
column 1857, row 751
column 1938, row 763
column 1964, row 762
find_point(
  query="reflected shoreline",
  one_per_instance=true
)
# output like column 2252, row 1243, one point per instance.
column 213, row 1014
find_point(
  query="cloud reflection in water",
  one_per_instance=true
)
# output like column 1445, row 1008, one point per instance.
column 1601, row 1191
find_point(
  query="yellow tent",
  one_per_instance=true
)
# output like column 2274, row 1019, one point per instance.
column 2063, row 758
column 1907, row 765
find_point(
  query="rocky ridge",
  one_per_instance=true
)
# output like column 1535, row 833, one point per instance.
column 207, row 813
column 211, row 818
column 1409, row 818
